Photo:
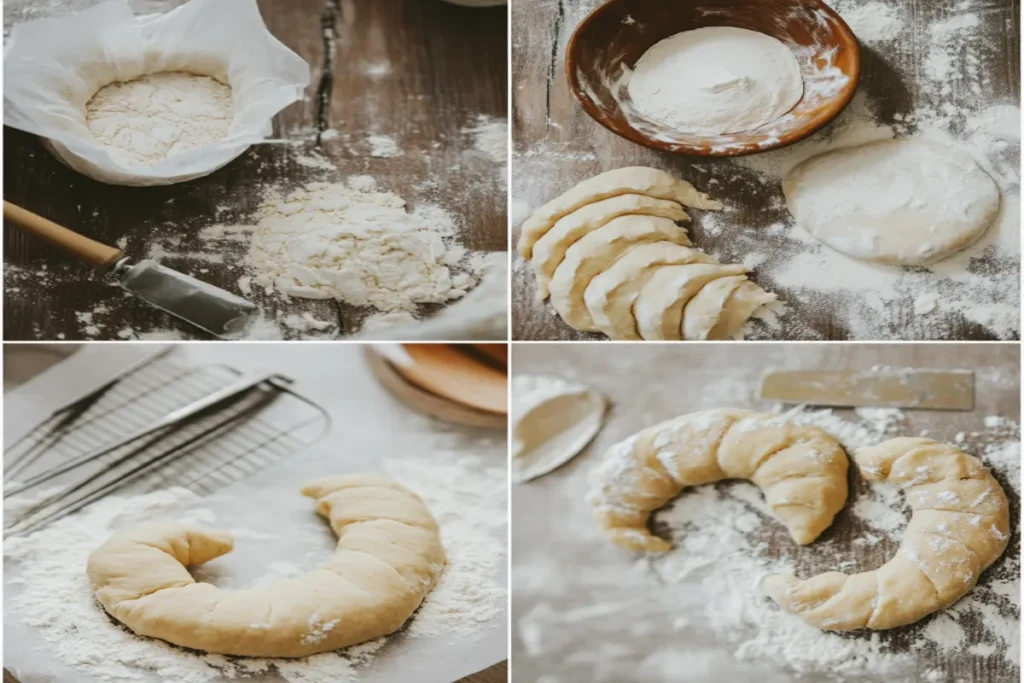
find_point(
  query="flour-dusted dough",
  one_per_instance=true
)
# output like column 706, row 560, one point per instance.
column 959, row 527
column 550, row 249
column 610, row 295
column 595, row 252
column 720, row 308
column 658, row 308
column 904, row 202
column 800, row 469
column 630, row 180
column 388, row 557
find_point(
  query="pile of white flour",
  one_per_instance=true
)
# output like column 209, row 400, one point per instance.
column 353, row 243
column 716, row 80
column 151, row 118
column 48, row 568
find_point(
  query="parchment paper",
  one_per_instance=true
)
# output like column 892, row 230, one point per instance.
column 368, row 428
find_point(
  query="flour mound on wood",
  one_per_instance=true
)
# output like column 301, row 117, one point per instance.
column 362, row 247
column 149, row 119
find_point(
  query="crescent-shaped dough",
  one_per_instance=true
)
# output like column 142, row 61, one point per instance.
column 720, row 309
column 630, row 180
column 388, row 557
column 595, row 252
column 960, row 525
column 550, row 249
column 610, row 295
column 658, row 308
column 800, row 469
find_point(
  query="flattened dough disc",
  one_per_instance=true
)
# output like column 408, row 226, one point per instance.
column 903, row 202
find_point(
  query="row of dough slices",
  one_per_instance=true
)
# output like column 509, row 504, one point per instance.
column 611, row 258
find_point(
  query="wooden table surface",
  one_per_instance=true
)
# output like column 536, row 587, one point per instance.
column 419, row 71
column 556, row 145
column 610, row 617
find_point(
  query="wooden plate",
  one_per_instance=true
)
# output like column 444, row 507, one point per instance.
column 619, row 32
column 424, row 401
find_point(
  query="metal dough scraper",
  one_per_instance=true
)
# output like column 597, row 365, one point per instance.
column 210, row 308
column 888, row 388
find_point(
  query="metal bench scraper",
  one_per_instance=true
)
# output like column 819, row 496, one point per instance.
column 888, row 388
column 210, row 308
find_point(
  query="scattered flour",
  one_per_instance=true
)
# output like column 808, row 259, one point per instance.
column 152, row 118
column 873, row 21
column 383, row 147
column 490, row 138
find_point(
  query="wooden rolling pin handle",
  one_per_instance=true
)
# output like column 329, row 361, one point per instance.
column 96, row 254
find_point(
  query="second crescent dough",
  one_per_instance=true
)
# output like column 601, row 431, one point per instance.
column 550, row 249
column 388, row 557
column 960, row 525
column 800, row 469
column 651, row 182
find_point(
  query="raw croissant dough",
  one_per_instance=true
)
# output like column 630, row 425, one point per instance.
column 388, row 557
column 630, row 180
column 801, row 471
column 960, row 525
column 613, row 260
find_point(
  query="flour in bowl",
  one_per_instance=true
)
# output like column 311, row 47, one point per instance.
column 716, row 80
column 149, row 119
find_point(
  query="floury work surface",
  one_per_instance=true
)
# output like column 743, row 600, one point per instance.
column 944, row 71
column 585, row 610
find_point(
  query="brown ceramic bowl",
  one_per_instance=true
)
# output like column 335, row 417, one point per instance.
column 607, row 44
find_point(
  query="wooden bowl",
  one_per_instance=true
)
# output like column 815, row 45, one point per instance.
column 605, row 47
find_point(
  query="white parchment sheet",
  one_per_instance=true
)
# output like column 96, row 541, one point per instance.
column 369, row 427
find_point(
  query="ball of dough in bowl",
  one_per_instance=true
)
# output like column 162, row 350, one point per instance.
column 903, row 202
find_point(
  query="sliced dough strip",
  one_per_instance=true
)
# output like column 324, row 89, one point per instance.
column 801, row 470
column 595, row 252
column 388, row 557
column 960, row 525
column 610, row 295
column 550, row 249
column 630, row 180
column 658, row 308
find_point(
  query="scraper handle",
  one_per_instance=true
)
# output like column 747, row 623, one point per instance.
column 96, row 254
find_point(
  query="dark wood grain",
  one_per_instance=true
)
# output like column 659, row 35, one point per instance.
column 556, row 145
column 568, row 568
column 447, row 66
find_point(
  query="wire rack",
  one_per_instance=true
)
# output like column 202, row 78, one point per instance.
column 215, row 448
